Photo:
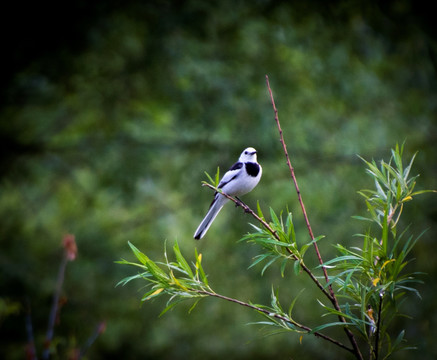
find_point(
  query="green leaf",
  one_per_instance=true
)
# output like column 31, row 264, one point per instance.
column 290, row 228
column 305, row 247
column 410, row 289
column 157, row 272
column 384, row 237
column 152, row 293
column 341, row 259
column 171, row 305
column 372, row 211
column 260, row 213
column 217, row 177
column 193, row 306
column 181, row 260
column 422, row 192
column 139, row 255
column 408, row 168
column 283, row 265
column 154, row 269
column 272, row 260
column 398, row 340
column 324, row 326
column 125, row 262
column 347, row 314
column 296, row 267
column 290, row 309
column 275, row 219
column 199, row 268
column 381, row 192
column 127, row 279
column 357, row 217
column 211, row 181
column 259, row 258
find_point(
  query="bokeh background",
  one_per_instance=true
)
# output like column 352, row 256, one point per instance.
column 111, row 112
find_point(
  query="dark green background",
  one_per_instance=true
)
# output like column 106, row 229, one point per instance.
column 111, row 112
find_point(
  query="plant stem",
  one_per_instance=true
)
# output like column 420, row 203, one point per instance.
column 30, row 348
column 299, row 195
column 332, row 297
column 54, row 309
column 277, row 316
column 247, row 209
column 378, row 327
column 98, row 330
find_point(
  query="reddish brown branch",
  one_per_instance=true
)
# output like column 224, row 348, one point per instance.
column 333, row 298
column 299, row 195
column 70, row 253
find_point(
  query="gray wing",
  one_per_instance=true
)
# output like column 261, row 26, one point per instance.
column 231, row 174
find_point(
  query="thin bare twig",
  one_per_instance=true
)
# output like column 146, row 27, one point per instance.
column 30, row 348
column 100, row 328
column 54, row 309
column 333, row 298
column 70, row 253
column 299, row 195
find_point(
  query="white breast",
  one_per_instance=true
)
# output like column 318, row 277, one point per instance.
column 243, row 184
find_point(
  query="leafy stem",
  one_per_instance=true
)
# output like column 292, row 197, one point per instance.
column 280, row 317
column 331, row 296
column 274, row 233
column 178, row 280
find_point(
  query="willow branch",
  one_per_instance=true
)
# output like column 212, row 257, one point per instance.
column 333, row 298
column 277, row 316
column 248, row 210
column 299, row 195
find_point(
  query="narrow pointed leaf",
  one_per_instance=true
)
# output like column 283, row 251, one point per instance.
column 181, row 260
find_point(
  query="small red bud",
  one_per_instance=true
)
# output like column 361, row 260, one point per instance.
column 70, row 246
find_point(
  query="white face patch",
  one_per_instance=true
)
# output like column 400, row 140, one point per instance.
column 248, row 155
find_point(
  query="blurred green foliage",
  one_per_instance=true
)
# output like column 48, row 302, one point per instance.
column 109, row 119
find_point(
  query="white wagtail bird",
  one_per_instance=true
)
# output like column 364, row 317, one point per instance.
column 240, row 179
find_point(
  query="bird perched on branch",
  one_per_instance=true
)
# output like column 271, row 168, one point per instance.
column 240, row 179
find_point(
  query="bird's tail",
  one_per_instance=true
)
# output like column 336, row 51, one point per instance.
column 214, row 209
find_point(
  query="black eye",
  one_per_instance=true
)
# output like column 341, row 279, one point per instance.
column 245, row 152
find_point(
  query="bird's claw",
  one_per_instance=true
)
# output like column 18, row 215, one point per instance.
column 242, row 204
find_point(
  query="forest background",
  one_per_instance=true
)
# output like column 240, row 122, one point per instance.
column 112, row 111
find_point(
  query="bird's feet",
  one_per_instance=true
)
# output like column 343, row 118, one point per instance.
column 242, row 204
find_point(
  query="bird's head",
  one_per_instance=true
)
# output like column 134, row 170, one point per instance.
column 248, row 155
